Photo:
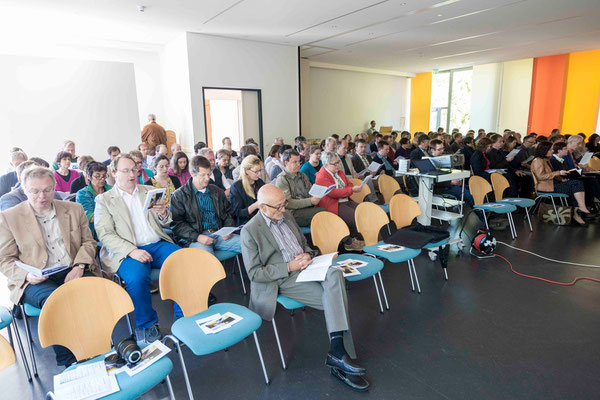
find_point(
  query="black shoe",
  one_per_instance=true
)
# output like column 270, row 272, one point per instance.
column 585, row 215
column 345, row 365
column 212, row 299
column 356, row 382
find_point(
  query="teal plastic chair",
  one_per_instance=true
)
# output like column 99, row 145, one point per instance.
column 223, row 255
column 500, row 184
column 305, row 230
column 7, row 321
column 289, row 304
column 29, row 311
column 479, row 188
column 67, row 323
column 183, row 282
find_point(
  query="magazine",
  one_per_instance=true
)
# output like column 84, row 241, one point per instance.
column 390, row 247
column 153, row 197
column 217, row 322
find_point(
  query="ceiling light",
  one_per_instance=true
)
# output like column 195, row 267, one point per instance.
column 141, row 8
column 439, row 15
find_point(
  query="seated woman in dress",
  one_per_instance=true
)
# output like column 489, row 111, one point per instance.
column 338, row 200
column 180, row 167
column 96, row 175
column 313, row 165
column 162, row 179
column 548, row 180
column 243, row 192
column 63, row 175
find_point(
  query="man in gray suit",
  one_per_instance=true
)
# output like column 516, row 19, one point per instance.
column 275, row 251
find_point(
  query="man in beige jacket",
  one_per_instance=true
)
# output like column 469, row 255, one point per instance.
column 44, row 233
column 153, row 134
column 133, row 241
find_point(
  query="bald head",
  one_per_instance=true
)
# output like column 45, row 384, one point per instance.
column 269, row 194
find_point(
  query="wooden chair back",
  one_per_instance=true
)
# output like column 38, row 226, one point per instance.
column 171, row 140
column 387, row 187
column 187, row 276
column 384, row 130
column 594, row 163
column 81, row 315
column 479, row 188
column 327, row 230
column 500, row 184
column 369, row 219
column 403, row 210
column 359, row 196
column 7, row 354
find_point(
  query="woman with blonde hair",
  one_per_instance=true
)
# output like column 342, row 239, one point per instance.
column 243, row 192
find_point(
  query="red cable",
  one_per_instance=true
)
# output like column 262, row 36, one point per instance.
column 547, row 280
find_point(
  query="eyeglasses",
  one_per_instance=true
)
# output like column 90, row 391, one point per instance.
column 138, row 163
column 35, row 192
column 281, row 207
column 254, row 171
column 99, row 177
column 127, row 170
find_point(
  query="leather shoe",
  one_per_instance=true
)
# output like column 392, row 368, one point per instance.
column 356, row 382
column 344, row 364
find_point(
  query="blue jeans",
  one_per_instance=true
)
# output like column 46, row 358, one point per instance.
column 136, row 276
column 233, row 244
column 456, row 191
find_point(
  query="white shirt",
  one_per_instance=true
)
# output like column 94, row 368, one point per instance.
column 55, row 245
column 144, row 234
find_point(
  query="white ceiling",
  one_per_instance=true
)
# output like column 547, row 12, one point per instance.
column 398, row 35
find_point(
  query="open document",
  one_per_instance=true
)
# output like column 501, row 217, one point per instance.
column 317, row 269
column 513, row 153
column 153, row 197
column 228, row 230
column 87, row 381
column 320, row 191
column 373, row 167
column 586, row 158
column 41, row 272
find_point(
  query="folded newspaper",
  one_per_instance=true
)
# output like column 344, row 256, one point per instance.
column 41, row 272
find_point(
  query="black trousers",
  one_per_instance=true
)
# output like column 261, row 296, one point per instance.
column 36, row 295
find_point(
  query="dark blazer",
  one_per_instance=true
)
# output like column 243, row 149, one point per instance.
column 377, row 158
column 78, row 184
column 497, row 159
column 358, row 164
column 467, row 151
column 218, row 181
column 174, row 180
column 240, row 201
column 7, row 181
column 402, row 152
column 187, row 217
column 416, row 154
column 479, row 165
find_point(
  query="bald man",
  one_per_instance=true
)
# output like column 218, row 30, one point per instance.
column 275, row 251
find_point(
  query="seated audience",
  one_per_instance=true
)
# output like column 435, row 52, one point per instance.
column 393, row 142
column 457, row 142
column 143, row 173
column 381, row 157
column 295, row 186
column 447, row 141
column 592, row 143
column 338, row 200
column 421, row 150
column 133, row 241
column 555, row 182
column 96, row 173
column 249, row 149
column 198, row 146
column 113, row 151
column 82, row 181
column 273, row 266
column 277, row 167
column 313, row 165
column 180, row 167
column 361, row 160
column 9, row 180
column 144, row 149
column 162, row 149
column 347, row 167
column 175, row 147
column 32, row 232
column 153, row 133
column 453, row 187
column 467, row 151
column 479, row 161
column 227, row 146
column 68, row 146
column 225, row 169
column 216, row 177
column 162, row 178
column 499, row 160
column 273, row 155
column 377, row 137
column 330, row 146
column 17, row 195
column 404, row 149
column 200, row 209
column 63, row 175
column 243, row 192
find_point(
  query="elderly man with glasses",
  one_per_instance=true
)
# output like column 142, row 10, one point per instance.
column 275, row 251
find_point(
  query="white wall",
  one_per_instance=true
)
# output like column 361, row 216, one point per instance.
column 485, row 98
column 241, row 64
column 345, row 102
column 44, row 101
column 250, row 114
column 516, row 93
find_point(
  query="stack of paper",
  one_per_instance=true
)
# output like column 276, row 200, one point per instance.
column 88, row 381
column 350, row 267
column 317, row 269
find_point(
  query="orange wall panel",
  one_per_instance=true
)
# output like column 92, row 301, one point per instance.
column 547, row 93
column 420, row 102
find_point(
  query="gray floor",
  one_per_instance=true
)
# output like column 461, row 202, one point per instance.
column 486, row 333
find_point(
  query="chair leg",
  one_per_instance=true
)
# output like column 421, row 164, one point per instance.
column 29, row 342
column 412, row 262
column 262, row 363
column 185, row 374
column 412, row 283
column 511, row 223
column 378, row 296
column 237, row 260
column 485, row 219
column 279, row 344
column 170, row 388
column 387, row 306
column 445, row 273
column 554, row 205
column 528, row 219
column 14, row 326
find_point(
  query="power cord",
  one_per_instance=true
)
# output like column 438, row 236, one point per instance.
column 549, row 259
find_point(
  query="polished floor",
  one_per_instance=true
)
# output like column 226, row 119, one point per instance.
column 484, row 334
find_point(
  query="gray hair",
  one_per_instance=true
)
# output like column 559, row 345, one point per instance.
column 205, row 150
column 574, row 139
column 174, row 145
column 18, row 155
column 37, row 172
column 331, row 139
column 68, row 142
column 23, row 166
column 151, row 117
column 329, row 157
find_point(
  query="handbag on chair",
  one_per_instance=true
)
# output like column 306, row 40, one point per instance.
column 562, row 215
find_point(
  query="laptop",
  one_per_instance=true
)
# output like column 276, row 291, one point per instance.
column 425, row 166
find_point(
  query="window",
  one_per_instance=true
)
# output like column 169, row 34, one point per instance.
column 451, row 100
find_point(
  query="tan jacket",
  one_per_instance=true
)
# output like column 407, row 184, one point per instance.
column 115, row 230
column 543, row 174
column 21, row 239
column 154, row 134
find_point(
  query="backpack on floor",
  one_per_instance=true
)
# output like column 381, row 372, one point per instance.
column 546, row 213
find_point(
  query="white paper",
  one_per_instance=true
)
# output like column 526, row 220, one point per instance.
column 491, row 171
column 40, row 272
column 586, row 158
column 390, row 247
column 495, row 205
column 150, row 354
column 317, row 269
column 87, row 381
column 320, row 191
column 152, row 197
column 227, row 183
column 374, row 166
column 513, row 153
column 367, row 179
column 529, row 159
column 352, row 263
column 217, row 322
column 227, row 230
